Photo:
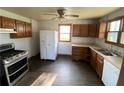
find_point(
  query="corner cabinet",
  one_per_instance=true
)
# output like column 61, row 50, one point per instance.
column 102, row 30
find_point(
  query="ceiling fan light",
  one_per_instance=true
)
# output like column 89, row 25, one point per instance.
column 62, row 20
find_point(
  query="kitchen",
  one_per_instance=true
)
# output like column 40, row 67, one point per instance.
column 85, row 49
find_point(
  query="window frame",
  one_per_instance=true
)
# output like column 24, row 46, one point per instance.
column 118, row 43
column 60, row 33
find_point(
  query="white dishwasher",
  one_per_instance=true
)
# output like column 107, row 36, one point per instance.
column 110, row 74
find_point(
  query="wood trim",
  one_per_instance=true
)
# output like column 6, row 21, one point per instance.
column 70, row 32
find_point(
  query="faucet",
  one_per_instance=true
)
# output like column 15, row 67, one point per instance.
column 111, row 48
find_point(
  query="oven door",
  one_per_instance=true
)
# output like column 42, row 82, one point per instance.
column 15, row 71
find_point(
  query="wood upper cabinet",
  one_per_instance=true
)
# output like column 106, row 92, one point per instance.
column 84, row 30
column 102, row 30
column 80, row 53
column 76, row 30
column 7, row 23
column 28, row 30
column 93, row 59
column 99, row 66
column 20, row 28
column 92, row 30
column 0, row 21
column 80, row 30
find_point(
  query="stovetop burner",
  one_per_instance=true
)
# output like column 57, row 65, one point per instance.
column 10, row 53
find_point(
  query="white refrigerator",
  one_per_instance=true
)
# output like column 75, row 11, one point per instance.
column 48, row 44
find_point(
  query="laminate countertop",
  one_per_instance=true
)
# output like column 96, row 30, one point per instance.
column 115, row 60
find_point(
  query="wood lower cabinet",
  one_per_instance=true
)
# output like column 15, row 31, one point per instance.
column 93, row 59
column 7, row 23
column 99, row 66
column 92, row 30
column 80, row 53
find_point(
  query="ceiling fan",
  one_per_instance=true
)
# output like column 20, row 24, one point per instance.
column 61, row 16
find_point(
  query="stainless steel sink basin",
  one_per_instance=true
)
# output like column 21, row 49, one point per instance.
column 106, row 52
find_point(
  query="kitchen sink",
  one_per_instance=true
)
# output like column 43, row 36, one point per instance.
column 106, row 52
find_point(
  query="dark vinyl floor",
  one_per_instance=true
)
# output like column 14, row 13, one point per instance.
column 69, row 73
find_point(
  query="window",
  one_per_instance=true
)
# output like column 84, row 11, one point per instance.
column 64, row 33
column 113, row 31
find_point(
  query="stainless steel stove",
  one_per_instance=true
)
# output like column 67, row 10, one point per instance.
column 13, row 64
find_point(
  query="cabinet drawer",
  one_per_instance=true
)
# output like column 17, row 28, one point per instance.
column 79, row 49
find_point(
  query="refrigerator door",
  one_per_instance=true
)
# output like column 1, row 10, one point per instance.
column 43, row 47
column 50, row 45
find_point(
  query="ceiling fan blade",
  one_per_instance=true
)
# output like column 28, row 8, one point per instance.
column 71, row 15
column 54, row 18
column 49, row 14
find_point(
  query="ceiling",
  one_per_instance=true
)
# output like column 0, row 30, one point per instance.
column 83, row 12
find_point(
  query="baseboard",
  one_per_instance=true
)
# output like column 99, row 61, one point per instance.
column 64, row 54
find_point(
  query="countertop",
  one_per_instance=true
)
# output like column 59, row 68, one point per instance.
column 115, row 60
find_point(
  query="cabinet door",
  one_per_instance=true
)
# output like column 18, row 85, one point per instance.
column 102, row 30
column 84, row 30
column 8, row 23
column 0, row 21
column 28, row 30
column 76, row 30
column 99, row 66
column 20, row 28
column 92, row 30
column 93, row 59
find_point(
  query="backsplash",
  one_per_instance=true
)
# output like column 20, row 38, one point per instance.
column 119, row 50
column 82, row 40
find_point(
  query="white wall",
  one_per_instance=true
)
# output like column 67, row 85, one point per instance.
column 65, row 47
column 101, row 42
column 31, row 44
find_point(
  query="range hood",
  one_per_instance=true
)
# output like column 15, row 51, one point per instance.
column 4, row 30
